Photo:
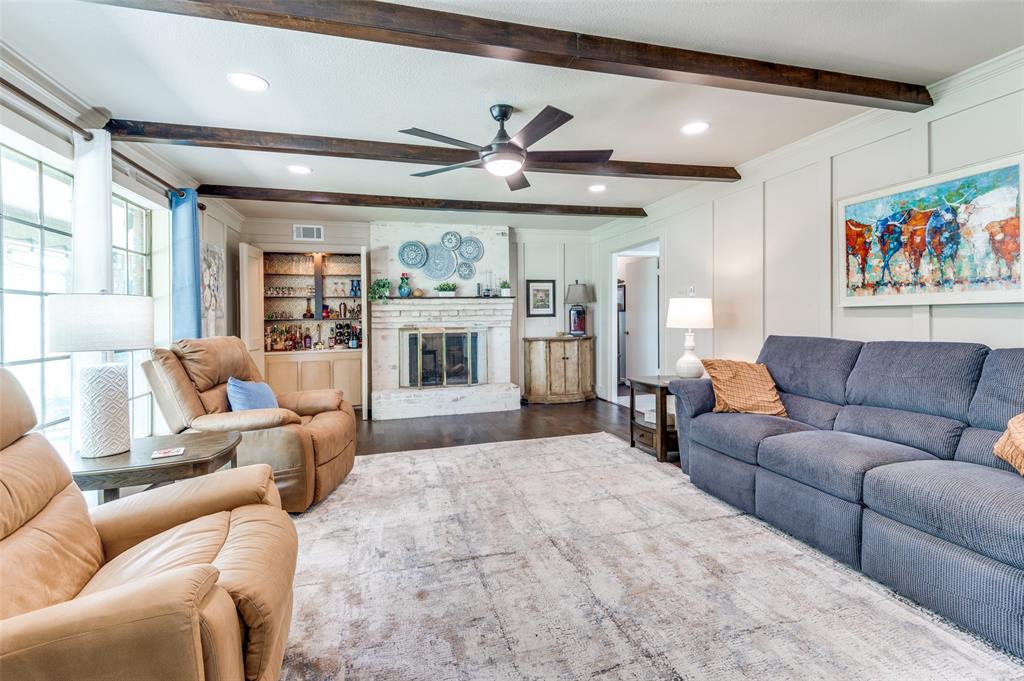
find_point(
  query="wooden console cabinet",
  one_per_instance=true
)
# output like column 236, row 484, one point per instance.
column 559, row 369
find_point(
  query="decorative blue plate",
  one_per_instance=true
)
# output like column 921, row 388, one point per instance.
column 451, row 240
column 440, row 263
column 412, row 254
column 471, row 249
column 466, row 270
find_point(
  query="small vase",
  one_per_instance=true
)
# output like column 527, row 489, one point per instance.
column 354, row 290
column 446, row 294
column 506, row 292
column 403, row 288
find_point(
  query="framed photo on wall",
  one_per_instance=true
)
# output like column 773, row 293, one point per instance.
column 540, row 297
column 951, row 238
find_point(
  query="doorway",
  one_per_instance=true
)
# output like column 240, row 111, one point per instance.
column 635, row 308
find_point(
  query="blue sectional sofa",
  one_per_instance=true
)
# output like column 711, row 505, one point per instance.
column 885, row 463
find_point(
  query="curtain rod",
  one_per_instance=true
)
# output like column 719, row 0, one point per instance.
column 88, row 136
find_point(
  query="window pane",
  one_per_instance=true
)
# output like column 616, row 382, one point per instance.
column 57, row 263
column 137, row 278
column 136, row 229
column 57, row 389
column 120, row 274
column 19, row 177
column 125, row 357
column 60, row 437
column 22, row 321
column 119, row 213
column 140, row 386
column 141, row 426
column 30, row 376
column 21, row 256
column 56, row 199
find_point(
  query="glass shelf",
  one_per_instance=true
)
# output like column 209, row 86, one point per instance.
column 306, row 319
column 310, row 295
column 288, row 274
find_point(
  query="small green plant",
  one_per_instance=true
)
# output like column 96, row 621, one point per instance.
column 445, row 286
column 504, row 284
column 379, row 291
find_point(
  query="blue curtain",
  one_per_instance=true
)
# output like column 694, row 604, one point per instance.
column 186, row 307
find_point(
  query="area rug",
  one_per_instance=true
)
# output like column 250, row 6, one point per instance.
column 581, row 558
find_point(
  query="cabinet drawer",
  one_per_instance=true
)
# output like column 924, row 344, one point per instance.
column 644, row 437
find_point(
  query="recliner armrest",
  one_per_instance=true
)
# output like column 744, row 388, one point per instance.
column 310, row 402
column 695, row 395
column 124, row 523
column 249, row 419
column 145, row 629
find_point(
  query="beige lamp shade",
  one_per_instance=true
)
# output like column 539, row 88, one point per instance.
column 689, row 313
column 578, row 294
column 91, row 322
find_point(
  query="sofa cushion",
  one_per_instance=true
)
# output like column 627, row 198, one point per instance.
column 817, row 413
column 331, row 431
column 977, row 446
column 976, row 507
column 250, row 395
column 1000, row 393
column 934, row 434
column 929, row 378
column 738, row 435
column 832, row 462
column 211, row 361
column 811, row 367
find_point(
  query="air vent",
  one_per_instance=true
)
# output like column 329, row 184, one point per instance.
column 308, row 232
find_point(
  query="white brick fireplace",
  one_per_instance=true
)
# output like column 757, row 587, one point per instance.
column 488, row 320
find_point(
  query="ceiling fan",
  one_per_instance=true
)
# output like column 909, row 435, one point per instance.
column 505, row 156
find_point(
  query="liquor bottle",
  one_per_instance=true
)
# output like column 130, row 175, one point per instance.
column 307, row 340
column 308, row 314
column 353, row 341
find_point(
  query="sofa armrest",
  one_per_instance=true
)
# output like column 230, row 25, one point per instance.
column 145, row 629
column 694, row 396
column 310, row 402
column 249, row 419
column 124, row 523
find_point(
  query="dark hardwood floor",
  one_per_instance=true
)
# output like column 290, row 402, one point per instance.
column 532, row 421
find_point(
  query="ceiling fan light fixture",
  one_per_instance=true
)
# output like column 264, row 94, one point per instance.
column 503, row 163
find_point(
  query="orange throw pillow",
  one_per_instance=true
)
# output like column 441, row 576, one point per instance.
column 1010, row 447
column 743, row 387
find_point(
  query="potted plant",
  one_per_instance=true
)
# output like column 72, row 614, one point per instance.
column 379, row 291
column 445, row 289
column 506, row 288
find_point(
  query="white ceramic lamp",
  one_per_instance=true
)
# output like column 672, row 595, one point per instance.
column 689, row 313
column 98, row 322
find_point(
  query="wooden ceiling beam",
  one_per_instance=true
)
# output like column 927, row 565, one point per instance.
column 254, row 140
column 411, row 203
column 394, row 24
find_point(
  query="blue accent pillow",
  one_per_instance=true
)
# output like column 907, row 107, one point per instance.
column 244, row 395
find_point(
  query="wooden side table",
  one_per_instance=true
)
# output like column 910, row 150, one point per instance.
column 204, row 453
column 660, row 437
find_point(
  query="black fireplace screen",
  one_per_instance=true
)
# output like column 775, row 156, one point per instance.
column 443, row 358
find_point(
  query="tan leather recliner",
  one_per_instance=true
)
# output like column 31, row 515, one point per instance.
column 310, row 441
column 191, row 581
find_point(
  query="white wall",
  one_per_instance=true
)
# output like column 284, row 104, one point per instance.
column 763, row 247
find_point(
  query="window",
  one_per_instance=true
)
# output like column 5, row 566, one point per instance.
column 35, row 229
column 131, row 264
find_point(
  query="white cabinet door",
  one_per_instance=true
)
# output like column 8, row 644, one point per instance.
column 250, row 300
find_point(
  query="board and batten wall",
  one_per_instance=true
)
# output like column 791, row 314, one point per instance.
column 763, row 248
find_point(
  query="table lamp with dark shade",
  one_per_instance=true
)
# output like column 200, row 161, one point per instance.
column 689, row 313
column 101, row 322
column 577, row 296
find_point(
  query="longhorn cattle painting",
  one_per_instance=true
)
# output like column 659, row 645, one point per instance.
column 947, row 239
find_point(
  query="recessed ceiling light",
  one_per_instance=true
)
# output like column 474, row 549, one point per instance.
column 597, row 188
column 299, row 170
column 248, row 82
column 696, row 127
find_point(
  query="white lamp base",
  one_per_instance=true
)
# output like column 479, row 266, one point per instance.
column 106, row 428
column 689, row 365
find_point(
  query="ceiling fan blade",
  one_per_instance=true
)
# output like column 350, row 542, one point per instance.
column 445, row 169
column 543, row 123
column 578, row 156
column 444, row 139
column 517, row 181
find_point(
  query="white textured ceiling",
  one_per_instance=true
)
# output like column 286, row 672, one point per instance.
column 167, row 68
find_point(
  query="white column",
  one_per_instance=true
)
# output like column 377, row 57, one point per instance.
column 92, row 213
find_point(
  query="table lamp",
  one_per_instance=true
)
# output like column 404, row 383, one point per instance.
column 689, row 313
column 577, row 295
column 101, row 322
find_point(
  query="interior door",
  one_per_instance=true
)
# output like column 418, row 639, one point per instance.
column 250, row 300
column 642, row 324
